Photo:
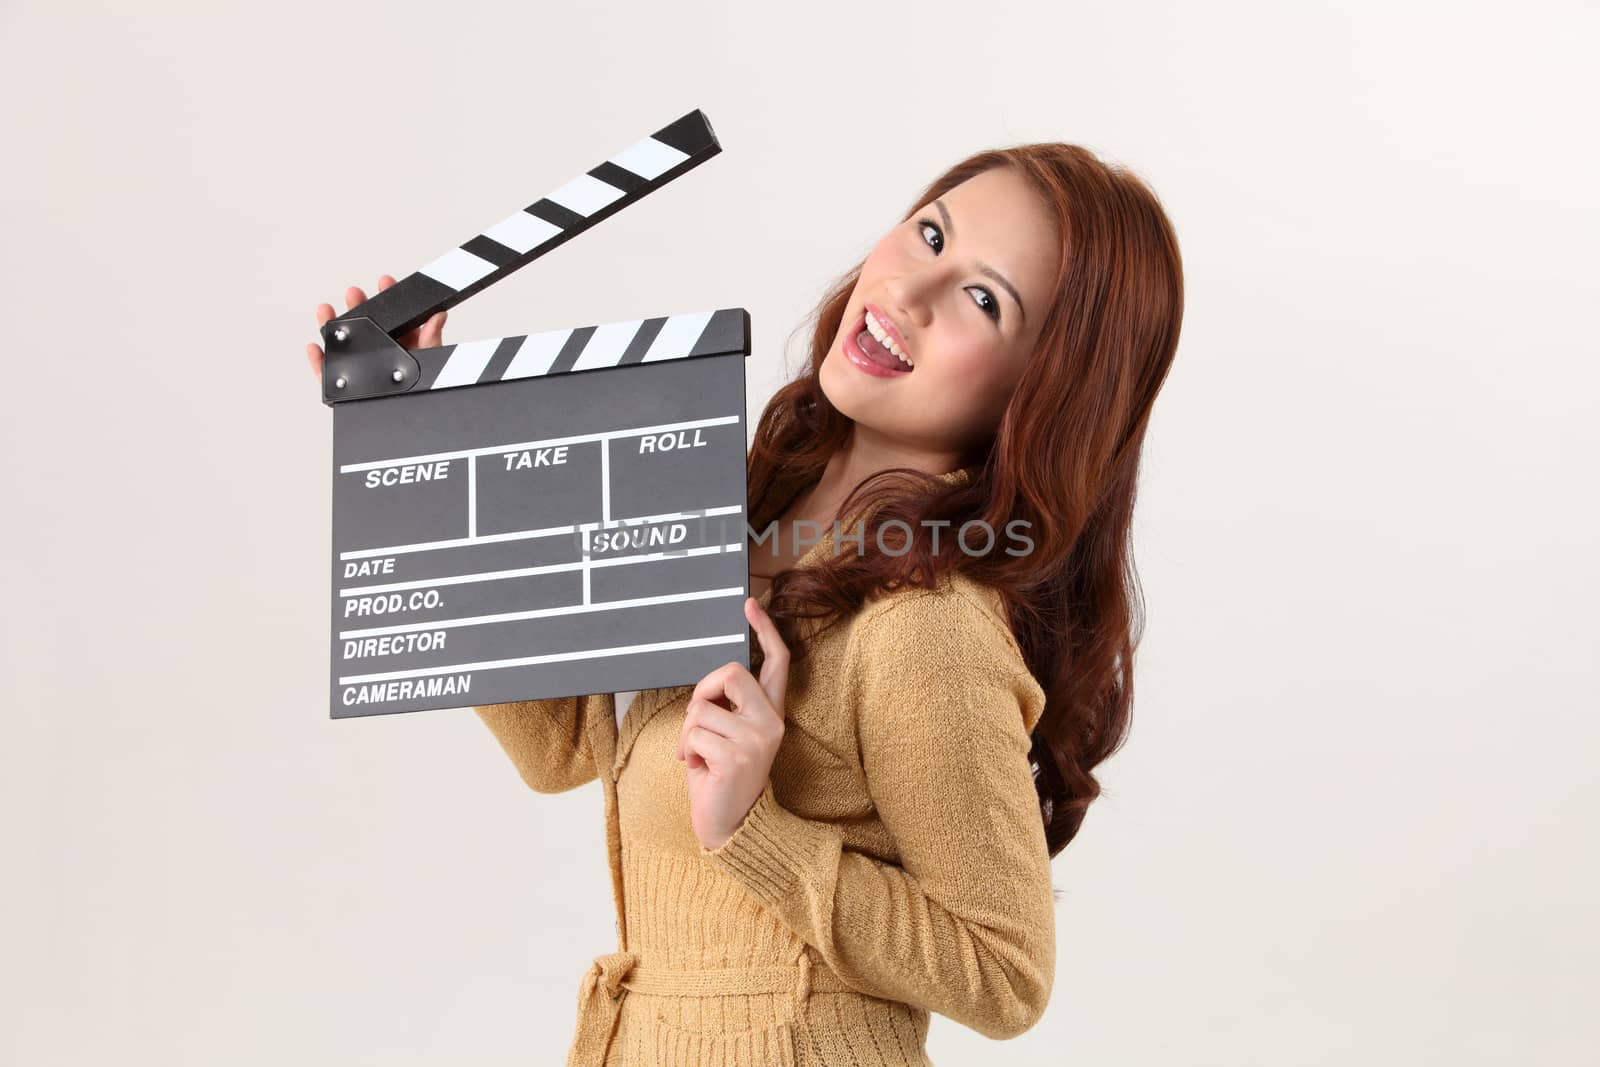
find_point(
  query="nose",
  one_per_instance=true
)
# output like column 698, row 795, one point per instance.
column 907, row 298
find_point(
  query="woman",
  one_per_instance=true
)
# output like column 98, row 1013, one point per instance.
column 861, row 833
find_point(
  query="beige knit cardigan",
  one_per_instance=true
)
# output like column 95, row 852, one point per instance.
column 894, row 865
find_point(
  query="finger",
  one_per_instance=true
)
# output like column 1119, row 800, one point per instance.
column 351, row 301
column 731, row 686
column 324, row 313
column 432, row 333
column 314, row 357
column 715, row 750
column 747, row 693
column 713, row 687
column 384, row 281
column 774, row 653
column 719, row 721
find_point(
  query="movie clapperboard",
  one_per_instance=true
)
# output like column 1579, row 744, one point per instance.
column 544, row 515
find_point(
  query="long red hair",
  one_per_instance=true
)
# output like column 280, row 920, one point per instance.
column 1065, row 457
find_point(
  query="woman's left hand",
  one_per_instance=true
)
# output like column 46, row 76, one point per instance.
column 731, row 734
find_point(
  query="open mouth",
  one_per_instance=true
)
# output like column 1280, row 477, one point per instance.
column 870, row 349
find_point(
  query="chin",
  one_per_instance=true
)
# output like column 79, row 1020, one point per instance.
column 837, row 391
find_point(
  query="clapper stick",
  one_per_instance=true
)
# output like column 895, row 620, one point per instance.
column 352, row 341
column 542, row 515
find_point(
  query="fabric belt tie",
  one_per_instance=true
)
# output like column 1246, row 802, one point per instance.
column 609, row 976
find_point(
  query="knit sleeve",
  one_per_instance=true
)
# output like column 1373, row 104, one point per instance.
column 547, row 740
column 964, row 923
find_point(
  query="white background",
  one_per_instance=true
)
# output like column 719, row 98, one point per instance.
column 1355, row 821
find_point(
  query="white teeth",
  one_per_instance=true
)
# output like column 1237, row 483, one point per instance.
column 875, row 328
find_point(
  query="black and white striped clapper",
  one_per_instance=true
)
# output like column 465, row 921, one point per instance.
column 525, row 517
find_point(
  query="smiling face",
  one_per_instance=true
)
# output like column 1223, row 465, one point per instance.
column 962, row 288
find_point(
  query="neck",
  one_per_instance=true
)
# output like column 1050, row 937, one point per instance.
column 864, row 453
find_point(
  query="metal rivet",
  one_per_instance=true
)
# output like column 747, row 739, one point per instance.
column 338, row 383
column 398, row 375
column 341, row 333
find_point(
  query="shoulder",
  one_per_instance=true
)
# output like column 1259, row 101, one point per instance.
column 953, row 639
column 959, row 613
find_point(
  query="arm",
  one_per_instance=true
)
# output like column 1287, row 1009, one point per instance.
column 964, row 924
column 547, row 740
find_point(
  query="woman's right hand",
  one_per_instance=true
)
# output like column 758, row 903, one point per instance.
column 429, row 335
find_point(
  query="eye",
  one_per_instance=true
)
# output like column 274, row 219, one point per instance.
column 992, row 307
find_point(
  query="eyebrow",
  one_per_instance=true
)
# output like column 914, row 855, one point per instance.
column 983, row 268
